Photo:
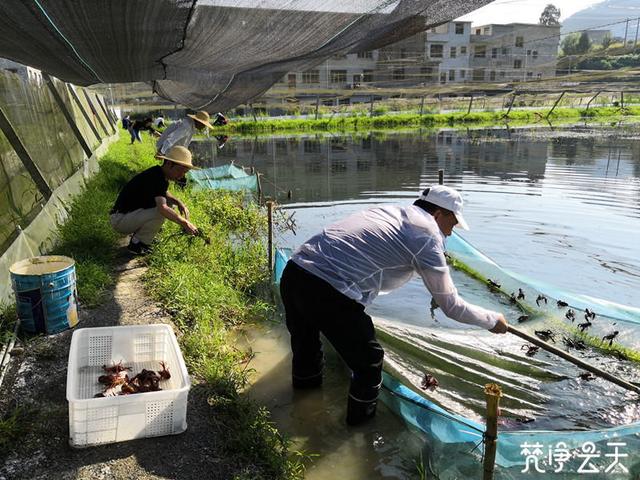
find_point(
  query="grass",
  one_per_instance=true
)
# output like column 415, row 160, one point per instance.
column 430, row 120
column 209, row 289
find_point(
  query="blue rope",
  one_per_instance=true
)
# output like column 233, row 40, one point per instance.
column 37, row 2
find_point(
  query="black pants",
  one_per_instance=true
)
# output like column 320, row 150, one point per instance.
column 313, row 306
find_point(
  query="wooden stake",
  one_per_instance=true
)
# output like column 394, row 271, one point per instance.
column 270, row 239
column 621, row 99
column 371, row 108
column 440, row 176
column 470, row 104
column 422, row 106
column 492, row 394
column 593, row 98
column 513, row 99
column 555, row 104
column 259, row 186
column 317, row 105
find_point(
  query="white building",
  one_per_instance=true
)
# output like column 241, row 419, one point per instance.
column 449, row 45
column 514, row 52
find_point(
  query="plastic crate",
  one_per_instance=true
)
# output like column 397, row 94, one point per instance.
column 94, row 421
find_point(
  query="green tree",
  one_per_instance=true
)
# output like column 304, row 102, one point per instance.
column 550, row 15
column 570, row 44
column 584, row 43
column 607, row 40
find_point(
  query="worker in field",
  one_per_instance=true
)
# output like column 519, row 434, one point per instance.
column 138, row 126
column 331, row 278
column 144, row 202
column 182, row 131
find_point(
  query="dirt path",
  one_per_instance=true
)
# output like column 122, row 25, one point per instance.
column 36, row 384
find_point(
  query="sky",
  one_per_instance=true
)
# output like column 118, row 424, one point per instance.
column 524, row 11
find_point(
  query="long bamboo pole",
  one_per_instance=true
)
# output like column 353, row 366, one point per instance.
column 570, row 358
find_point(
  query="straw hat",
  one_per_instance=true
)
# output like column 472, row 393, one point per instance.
column 179, row 155
column 202, row 117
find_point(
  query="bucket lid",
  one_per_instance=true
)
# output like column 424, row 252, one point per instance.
column 41, row 265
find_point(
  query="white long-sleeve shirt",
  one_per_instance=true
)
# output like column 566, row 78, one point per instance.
column 379, row 250
column 178, row 133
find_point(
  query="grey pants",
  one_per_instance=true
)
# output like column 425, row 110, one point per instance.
column 144, row 224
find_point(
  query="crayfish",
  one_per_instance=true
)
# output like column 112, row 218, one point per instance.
column 611, row 337
column 531, row 350
column 541, row 298
column 429, row 382
column 117, row 380
column 546, row 335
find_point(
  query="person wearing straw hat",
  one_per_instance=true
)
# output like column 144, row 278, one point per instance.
column 336, row 274
column 144, row 202
column 182, row 131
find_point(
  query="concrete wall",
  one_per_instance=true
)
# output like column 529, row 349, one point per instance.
column 50, row 136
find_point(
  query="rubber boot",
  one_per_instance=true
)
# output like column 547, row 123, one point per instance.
column 308, row 382
column 359, row 412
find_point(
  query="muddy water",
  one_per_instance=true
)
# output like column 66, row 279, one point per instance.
column 560, row 206
column 314, row 420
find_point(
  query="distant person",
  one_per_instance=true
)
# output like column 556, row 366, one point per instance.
column 331, row 278
column 139, row 125
column 126, row 122
column 182, row 131
column 220, row 120
column 144, row 202
column 159, row 122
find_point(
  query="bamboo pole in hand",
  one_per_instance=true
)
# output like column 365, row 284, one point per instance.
column 576, row 361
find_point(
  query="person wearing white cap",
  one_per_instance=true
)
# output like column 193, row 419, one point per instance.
column 144, row 202
column 332, row 277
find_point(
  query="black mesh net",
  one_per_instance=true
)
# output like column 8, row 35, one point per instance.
column 211, row 54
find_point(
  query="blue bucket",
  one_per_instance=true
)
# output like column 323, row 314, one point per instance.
column 46, row 294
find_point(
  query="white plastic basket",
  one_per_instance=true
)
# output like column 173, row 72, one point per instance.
column 94, row 421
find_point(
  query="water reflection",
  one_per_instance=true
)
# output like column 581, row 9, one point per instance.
column 534, row 197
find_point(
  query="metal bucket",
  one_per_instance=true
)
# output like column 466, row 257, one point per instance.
column 46, row 294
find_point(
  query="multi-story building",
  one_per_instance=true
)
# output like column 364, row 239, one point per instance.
column 454, row 52
column 449, row 46
column 513, row 52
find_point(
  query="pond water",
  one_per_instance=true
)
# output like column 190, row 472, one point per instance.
column 558, row 205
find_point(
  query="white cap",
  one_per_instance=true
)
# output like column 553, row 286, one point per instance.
column 447, row 198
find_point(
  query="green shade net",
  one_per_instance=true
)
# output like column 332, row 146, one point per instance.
column 208, row 54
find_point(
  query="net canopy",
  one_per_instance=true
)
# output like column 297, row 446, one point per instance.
column 208, row 54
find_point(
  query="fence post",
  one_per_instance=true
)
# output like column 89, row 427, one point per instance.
column 470, row 104
column 554, row 105
column 440, row 176
column 422, row 105
column 593, row 98
column 513, row 99
column 621, row 99
column 371, row 108
column 270, row 238
column 492, row 394
column 317, row 105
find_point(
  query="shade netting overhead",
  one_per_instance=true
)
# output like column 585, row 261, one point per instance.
column 208, row 54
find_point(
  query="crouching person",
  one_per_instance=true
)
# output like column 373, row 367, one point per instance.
column 144, row 203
